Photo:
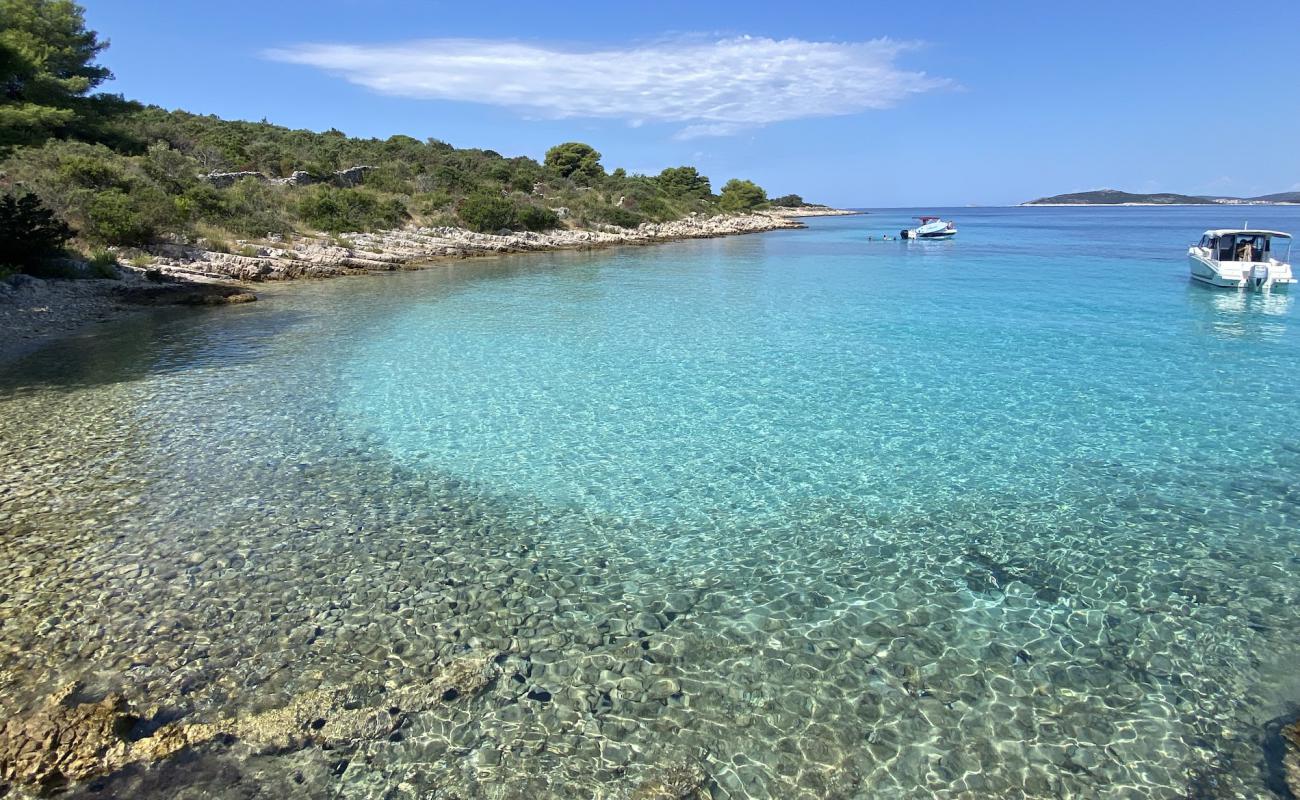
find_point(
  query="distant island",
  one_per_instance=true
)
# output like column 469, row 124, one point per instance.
column 1115, row 197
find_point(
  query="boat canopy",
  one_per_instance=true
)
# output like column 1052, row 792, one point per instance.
column 926, row 219
column 1246, row 232
column 1244, row 244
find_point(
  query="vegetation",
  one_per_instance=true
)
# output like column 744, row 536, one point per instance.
column 682, row 182
column 488, row 213
column 788, row 201
column 738, row 195
column 77, row 163
column 29, row 232
column 576, row 161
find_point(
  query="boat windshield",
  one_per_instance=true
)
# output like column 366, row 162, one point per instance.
column 1250, row 247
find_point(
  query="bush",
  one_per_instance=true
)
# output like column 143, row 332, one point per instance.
column 249, row 208
column 115, row 217
column 430, row 203
column 103, row 264
column 738, row 195
column 106, row 196
column 536, row 218
column 789, row 201
column 335, row 210
column 486, row 213
column 621, row 217
column 29, row 232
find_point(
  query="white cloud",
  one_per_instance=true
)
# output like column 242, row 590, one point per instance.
column 713, row 88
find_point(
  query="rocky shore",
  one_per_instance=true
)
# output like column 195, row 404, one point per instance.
column 325, row 257
column 33, row 310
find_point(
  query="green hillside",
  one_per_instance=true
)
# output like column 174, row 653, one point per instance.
column 109, row 171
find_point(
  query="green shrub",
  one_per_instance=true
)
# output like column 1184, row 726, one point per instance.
column 486, row 213
column 788, row 201
column 169, row 168
column 394, row 178
column 535, row 218
column 29, row 232
column 430, row 203
column 249, row 208
column 622, row 217
column 327, row 208
column 103, row 264
column 105, row 196
column 115, row 217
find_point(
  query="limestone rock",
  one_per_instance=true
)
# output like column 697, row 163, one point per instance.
column 1291, row 761
column 412, row 246
column 352, row 176
column 685, row 781
column 222, row 180
column 63, row 742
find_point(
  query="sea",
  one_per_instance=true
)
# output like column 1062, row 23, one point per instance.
column 801, row 514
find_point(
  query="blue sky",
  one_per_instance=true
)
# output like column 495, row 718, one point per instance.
column 855, row 103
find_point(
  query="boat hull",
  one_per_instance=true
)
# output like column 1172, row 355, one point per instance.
column 1238, row 275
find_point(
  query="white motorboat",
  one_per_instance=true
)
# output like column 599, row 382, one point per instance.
column 930, row 228
column 1242, row 259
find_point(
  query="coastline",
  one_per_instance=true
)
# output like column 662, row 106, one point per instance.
column 34, row 311
column 1174, row 205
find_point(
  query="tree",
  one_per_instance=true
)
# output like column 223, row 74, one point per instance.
column 788, row 201
column 739, row 195
column 575, row 160
column 29, row 232
column 46, row 69
column 680, row 182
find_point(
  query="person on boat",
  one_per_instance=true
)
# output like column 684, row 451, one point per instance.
column 1245, row 250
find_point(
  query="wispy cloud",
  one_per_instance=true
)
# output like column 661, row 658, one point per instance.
column 713, row 88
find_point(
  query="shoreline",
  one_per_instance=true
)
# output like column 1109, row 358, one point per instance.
column 35, row 312
column 1149, row 205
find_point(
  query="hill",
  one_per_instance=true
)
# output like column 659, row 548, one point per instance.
column 1115, row 197
column 104, row 171
column 1280, row 197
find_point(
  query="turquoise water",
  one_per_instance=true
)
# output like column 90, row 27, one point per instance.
column 1009, row 515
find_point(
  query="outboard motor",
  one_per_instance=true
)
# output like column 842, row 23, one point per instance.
column 1258, row 278
column 905, row 234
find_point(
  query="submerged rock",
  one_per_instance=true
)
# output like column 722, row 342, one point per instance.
column 1291, row 761
column 686, row 781
column 61, row 743
column 64, row 742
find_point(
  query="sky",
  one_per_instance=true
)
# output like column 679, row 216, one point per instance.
column 856, row 104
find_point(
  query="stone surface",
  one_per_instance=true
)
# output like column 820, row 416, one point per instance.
column 412, row 246
column 63, row 742
column 1291, row 761
column 687, row 781
column 352, row 176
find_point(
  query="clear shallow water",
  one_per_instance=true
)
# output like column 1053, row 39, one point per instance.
column 1010, row 515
